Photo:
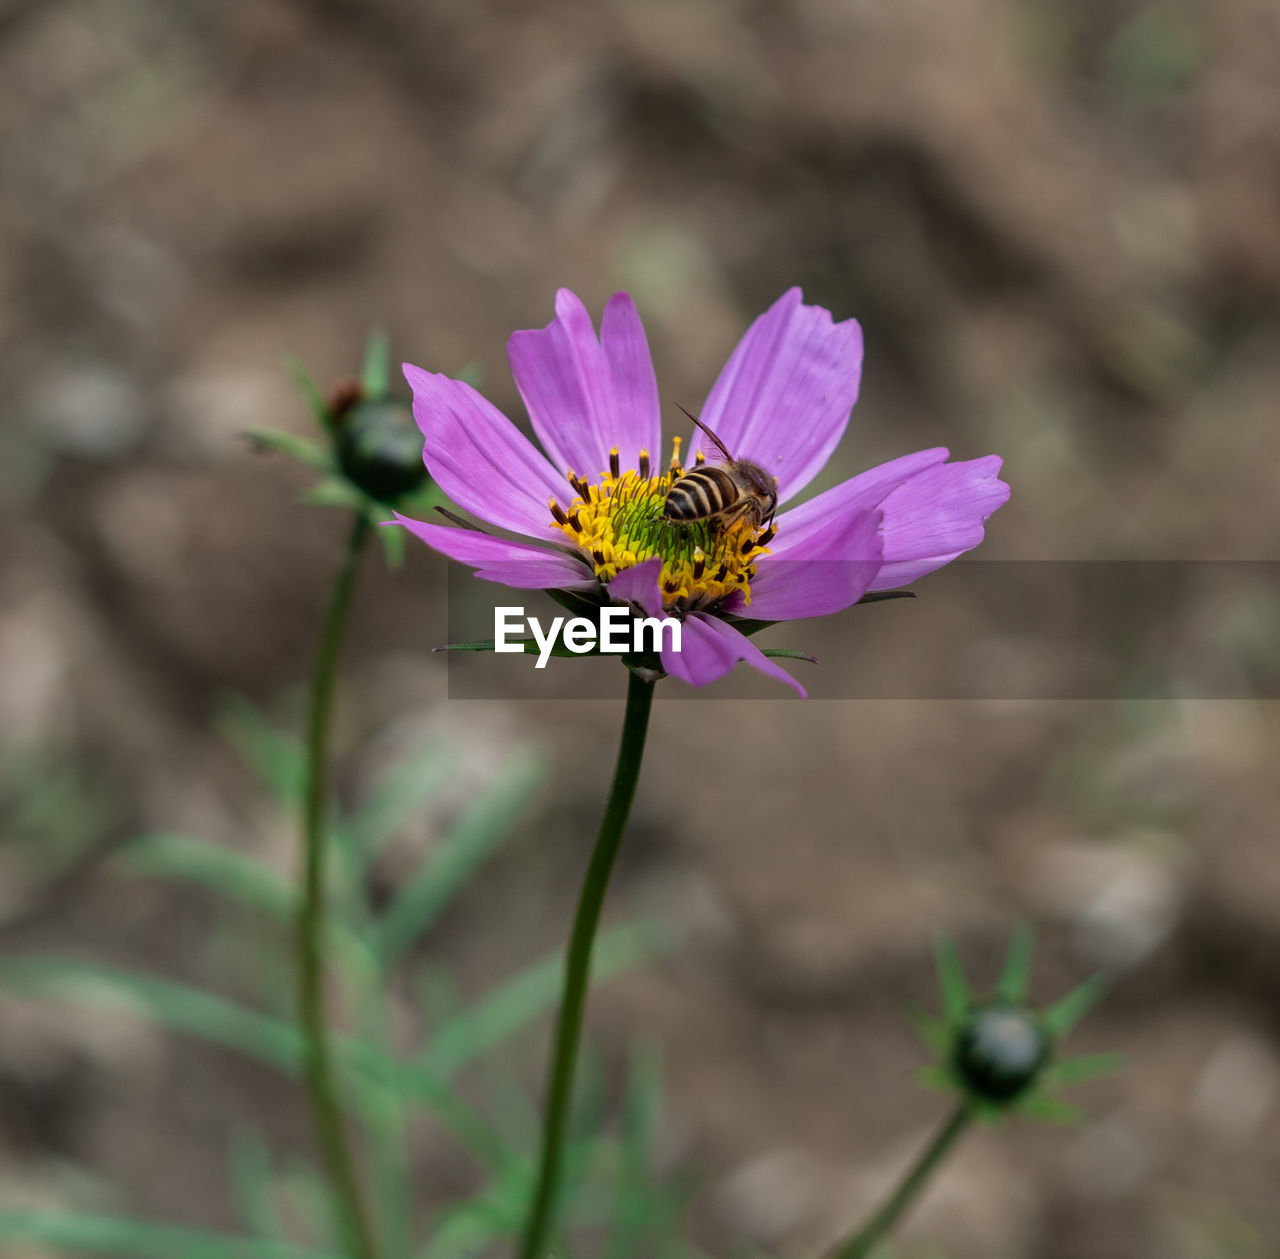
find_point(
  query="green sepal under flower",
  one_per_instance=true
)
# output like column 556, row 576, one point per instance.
column 997, row 1051
column 371, row 458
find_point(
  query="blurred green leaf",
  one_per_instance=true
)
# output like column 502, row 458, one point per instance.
column 933, row 1033
column 641, row 1210
column 398, row 795
column 590, row 1096
column 437, row 991
column 250, row 1175
column 140, row 1240
column 176, row 1005
column 1063, row 1015
column 495, row 1213
column 1049, row 1109
column 474, row 837
column 306, row 1199
column 375, row 374
column 335, row 491
column 421, row 503
column 1157, row 52
column 472, row 373
column 258, row 1036
column 222, row 870
column 1016, row 976
column 951, row 981
column 1081, row 1070
column 275, row 757
column 936, row 1077
column 309, row 391
column 301, row 449
column 386, row 1117
column 642, row 1105
column 516, row 1114
column 246, row 882
column 392, row 538
column 52, row 805
column 784, row 653
column 525, row 997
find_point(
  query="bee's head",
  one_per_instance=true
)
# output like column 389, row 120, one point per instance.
column 761, row 483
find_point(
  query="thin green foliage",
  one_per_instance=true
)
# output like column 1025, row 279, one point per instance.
column 638, row 1211
column 1049, row 1109
column 251, row 1175
column 474, row 837
column 392, row 539
column 934, row 1034
column 387, row 1120
column 495, row 1213
column 1063, row 1015
column 375, row 373
column 141, row 1240
column 951, row 981
column 1016, row 975
column 301, row 449
column 395, row 798
column 309, row 391
column 286, row 1211
column 335, row 491
column 54, row 809
column 1083, row 1070
column 221, row 870
column 242, row 880
column 276, row 758
column 523, row 998
column 305, row 1200
column 176, row 1005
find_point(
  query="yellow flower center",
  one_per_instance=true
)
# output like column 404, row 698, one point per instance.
column 619, row 523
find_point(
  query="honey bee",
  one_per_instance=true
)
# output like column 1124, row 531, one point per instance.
column 723, row 492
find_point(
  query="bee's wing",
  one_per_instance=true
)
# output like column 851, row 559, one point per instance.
column 719, row 444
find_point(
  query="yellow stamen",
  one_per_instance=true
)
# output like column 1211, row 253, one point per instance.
column 619, row 523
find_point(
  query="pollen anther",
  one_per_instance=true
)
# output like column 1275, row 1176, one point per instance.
column 620, row 522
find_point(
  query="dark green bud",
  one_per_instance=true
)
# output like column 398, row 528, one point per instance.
column 998, row 1050
column 380, row 448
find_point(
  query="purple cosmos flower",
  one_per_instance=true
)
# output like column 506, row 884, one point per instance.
column 592, row 505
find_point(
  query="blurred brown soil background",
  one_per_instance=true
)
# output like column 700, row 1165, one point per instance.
column 1060, row 228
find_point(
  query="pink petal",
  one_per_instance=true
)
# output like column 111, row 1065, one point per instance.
column 480, row 459
column 784, row 397
column 639, row 585
column 802, row 529
column 828, row 574
column 937, row 515
column 584, row 398
column 495, row 559
column 636, row 417
column 710, row 648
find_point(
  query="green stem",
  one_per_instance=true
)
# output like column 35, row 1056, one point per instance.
column 321, row 1084
column 635, row 726
column 874, row 1231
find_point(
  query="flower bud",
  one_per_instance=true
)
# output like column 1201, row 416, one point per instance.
column 998, row 1050
column 380, row 448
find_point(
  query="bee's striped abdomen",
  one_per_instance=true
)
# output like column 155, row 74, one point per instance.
column 700, row 494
